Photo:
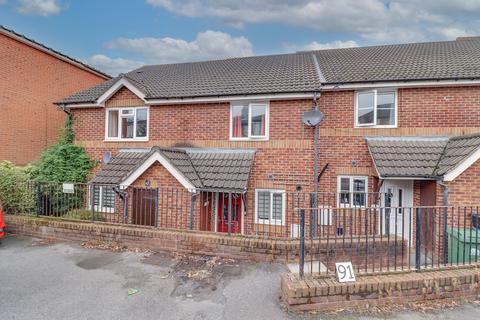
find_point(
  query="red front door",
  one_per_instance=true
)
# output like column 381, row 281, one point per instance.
column 236, row 213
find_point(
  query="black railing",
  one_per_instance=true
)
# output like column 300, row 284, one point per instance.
column 388, row 239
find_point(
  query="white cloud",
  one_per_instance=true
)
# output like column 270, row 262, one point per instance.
column 207, row 45
column 112, row 66
column 372, row 20
column 331, row 45
column 39, row 7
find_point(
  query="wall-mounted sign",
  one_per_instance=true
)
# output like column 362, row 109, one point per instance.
column 68, row 188
column 345, row 272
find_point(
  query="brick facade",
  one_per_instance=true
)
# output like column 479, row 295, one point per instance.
column 31, row 81
column 285, row 161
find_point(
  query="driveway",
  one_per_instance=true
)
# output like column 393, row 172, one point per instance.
column 42, row 280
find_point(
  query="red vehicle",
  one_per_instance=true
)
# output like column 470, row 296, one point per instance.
column 2, row 224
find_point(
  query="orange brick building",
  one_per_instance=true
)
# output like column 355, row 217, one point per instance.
column 33, row 77
column 401, row 125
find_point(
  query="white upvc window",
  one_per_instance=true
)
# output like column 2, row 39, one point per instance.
column 352, row 191
column 249, row 121
column 103, row 198
column 270, row 206
column 376, row 108
column 127, row 124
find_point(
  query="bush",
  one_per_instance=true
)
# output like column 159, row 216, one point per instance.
column 64, row 161
column 16, row 195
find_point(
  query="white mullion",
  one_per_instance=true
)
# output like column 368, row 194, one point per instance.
column 119, row 133
column 271, row 207
column 249, row 135
column 134, row 134
column 350, row 188
column 100, row 199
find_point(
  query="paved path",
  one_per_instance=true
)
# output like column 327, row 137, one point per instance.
column 67, row 281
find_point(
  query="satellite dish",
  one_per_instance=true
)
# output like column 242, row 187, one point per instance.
column 312, row 118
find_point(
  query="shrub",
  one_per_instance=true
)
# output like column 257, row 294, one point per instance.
column 64, row 161
column 16, row 195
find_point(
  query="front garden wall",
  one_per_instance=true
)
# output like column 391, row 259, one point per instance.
column 396, row 289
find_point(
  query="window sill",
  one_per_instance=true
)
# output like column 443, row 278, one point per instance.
column 375, row 127
column 269, row 223
column 126, row 140
column 249, row 139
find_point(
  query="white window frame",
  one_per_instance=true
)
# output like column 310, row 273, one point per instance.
column 100, row 207
column 351, row 192
column 119, row 138
column 271, row 221
column 250, row 105
column 375, row 92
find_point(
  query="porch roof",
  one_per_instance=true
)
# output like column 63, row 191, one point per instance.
column 421, row 157
column 222, row 169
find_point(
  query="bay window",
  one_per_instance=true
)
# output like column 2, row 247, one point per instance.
column 127, row 123
column 376, row 108
column 249, row 121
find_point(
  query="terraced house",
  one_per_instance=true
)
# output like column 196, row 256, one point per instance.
column 223, row 146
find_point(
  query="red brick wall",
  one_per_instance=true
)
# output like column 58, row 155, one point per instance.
column 286, row 160
column 31, row 81
column 465, row 190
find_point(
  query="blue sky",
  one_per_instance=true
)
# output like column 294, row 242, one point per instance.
column 119, row 35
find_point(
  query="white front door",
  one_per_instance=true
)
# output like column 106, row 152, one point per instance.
column 396, row 211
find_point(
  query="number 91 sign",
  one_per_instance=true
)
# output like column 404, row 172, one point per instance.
column 345, row 272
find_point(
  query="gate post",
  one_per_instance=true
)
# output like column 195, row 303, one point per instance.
column 302, row 243
column 418, row 240
column 192, row 208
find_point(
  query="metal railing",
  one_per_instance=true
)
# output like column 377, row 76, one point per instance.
column 227, row 212
column 385, row 239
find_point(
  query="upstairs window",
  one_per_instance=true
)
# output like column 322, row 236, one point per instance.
column 127, row 124
column 376, row 108
column 249, row 121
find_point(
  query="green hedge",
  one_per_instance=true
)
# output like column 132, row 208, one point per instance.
column 16, row 195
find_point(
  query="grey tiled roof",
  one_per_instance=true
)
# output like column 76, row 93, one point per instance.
column 412, row 157
column 427, row 157
column 89, row 95
column 223, row 169
column 458, row 59
column 457, row 150
column 297, row 72
column 204, row 168
column 119, row 167
column 286, row 73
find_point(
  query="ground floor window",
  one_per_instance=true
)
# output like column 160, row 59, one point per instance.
column 103, row 198
column 352, row 191
column 270, row 206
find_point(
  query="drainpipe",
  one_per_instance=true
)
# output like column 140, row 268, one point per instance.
column 316, row 96
column 445, row 192
column 312, row 119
